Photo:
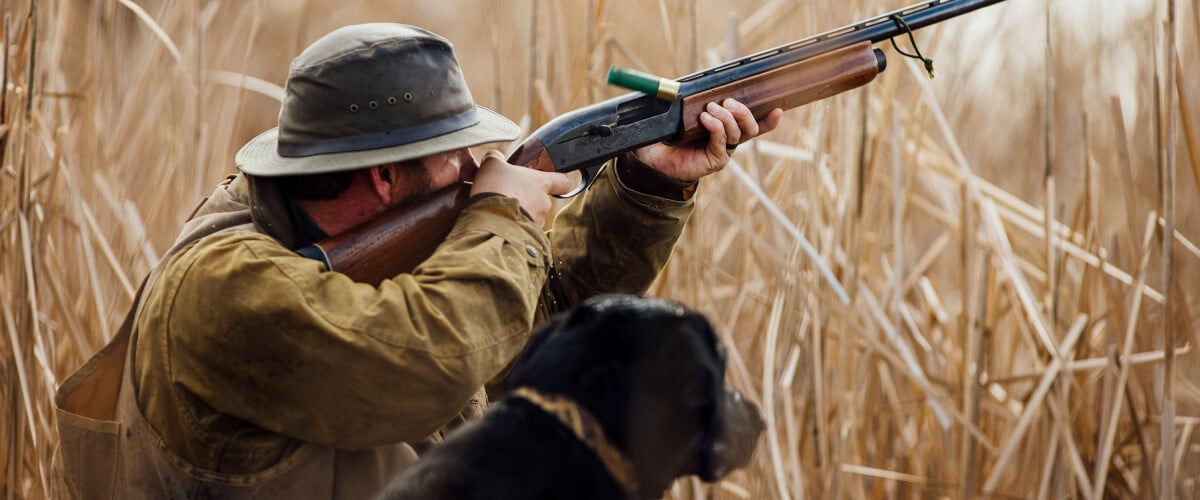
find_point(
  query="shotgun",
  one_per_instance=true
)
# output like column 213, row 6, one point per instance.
column 785, row 77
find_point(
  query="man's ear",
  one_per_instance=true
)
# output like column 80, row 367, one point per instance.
column 383, row 179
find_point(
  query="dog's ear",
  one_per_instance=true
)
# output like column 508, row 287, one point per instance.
column 584, row 317
column 526, row 368
column 581, row 354
column 543, row 334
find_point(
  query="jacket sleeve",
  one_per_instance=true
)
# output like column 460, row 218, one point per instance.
column 616, row 238
column 270, row 338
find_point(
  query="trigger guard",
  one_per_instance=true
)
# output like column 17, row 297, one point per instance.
column 589, row 174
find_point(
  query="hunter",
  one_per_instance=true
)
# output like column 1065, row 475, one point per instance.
column 255, row 372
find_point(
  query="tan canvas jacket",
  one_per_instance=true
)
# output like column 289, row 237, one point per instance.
column 248, row 354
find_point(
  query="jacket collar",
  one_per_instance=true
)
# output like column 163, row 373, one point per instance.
column 279, row 216
column 241, row 199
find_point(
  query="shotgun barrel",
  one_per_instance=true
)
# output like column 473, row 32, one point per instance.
column 786, row 76
column 585, row 138
column 877, row 29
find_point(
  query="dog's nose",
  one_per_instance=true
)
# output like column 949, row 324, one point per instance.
column 757, row 423
column 745, row 426
column 741, row 426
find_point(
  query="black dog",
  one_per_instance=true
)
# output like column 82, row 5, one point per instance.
column 649, row 376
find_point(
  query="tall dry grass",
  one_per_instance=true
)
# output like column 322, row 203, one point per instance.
column 1021, row 322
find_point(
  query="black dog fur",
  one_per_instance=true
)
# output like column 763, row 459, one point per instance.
column 650, row 371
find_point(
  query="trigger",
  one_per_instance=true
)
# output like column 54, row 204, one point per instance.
column 589, row 174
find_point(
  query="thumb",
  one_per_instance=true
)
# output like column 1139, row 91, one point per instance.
column 557, row 183
column 716, row 137
column 491, row 157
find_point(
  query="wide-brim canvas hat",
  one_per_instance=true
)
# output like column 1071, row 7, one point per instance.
column 372, row 94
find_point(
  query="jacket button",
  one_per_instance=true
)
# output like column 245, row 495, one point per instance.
column 531, row 251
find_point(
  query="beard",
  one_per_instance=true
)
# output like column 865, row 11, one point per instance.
column 417, row 182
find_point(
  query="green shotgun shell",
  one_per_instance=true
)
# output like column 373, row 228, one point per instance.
column 632, row 79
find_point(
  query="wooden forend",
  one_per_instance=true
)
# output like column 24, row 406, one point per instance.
column 787, row 87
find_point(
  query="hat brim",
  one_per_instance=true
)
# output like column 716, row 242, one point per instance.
column 261, row 157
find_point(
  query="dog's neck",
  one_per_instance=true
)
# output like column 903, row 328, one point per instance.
column 587, row 430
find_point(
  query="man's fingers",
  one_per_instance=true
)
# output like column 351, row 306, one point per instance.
column 745, row 119
column 733, row 133
column 771, row 121
column 557, row 183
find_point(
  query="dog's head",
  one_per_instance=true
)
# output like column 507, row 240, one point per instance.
column 653, row 375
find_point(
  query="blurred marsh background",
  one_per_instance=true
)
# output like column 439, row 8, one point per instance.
column 1018, row 236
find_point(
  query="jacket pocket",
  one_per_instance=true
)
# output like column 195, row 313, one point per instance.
column 88, row 457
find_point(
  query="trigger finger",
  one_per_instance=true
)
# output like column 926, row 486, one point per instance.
column 558, row 183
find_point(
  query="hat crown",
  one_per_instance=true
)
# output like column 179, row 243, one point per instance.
column 371, row 86
column 347, row 40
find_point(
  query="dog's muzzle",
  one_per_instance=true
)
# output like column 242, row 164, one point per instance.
column 741, row 424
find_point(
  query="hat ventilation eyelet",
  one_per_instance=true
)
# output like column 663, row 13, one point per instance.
column 353, row 108
column 408, row 97
column 391, row 100
column 372, row 105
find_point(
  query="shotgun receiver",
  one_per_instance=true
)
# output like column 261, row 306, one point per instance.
column 785, row 77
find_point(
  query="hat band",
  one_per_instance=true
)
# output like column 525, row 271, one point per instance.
column 379, row 140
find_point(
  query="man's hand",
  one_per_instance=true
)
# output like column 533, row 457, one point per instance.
column 530, row 187
column 728, row 124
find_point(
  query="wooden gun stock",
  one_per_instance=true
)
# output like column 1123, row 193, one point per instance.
column 398, row 240
column 787, row 87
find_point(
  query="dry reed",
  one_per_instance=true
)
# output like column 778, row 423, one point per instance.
column 1007, row 334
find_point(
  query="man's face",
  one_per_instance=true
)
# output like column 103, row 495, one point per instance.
column 417, row 180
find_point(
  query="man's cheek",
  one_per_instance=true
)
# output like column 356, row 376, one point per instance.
column 444, row 175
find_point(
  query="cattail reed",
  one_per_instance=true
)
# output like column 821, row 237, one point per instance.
column 1022, row 317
